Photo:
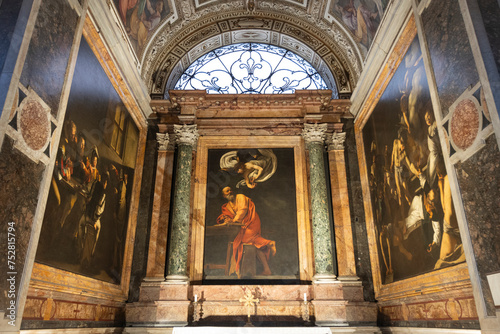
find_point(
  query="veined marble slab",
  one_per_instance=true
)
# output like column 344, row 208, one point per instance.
column 251, row 330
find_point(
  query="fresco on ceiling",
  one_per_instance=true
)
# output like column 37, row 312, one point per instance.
column 415, row 222
column 86, row 217
column 361, row 17
column 251, row 219
column 141, row 18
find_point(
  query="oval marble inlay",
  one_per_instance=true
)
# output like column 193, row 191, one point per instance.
column 453, row 309
column 34, row 125
column 464, row 125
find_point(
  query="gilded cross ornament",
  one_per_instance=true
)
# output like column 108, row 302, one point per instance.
column 250, row 301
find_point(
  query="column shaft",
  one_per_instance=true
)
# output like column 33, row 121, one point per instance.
column 320, row 216
column 177, row 259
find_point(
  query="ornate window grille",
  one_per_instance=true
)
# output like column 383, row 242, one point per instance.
column 250, row 68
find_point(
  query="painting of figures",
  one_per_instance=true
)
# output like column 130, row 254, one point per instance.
column 251, row 220
column 141, row 17
column 361, row 17
column 86, row 217
column 416, row 226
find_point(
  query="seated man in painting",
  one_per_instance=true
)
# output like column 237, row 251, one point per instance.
column 240, row 209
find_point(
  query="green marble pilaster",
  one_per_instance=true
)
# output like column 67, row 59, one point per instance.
column 186, row 137
column 314, row 135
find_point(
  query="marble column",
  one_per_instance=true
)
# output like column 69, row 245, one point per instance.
column 186, row 137
column 161, row 206
column 340, row 203
column 314, row 136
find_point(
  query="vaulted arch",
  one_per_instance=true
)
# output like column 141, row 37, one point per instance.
column 329, row 48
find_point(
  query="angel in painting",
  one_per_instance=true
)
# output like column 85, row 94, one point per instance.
column 254, row 165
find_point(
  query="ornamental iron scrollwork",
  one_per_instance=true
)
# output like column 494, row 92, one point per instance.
column 250, row 68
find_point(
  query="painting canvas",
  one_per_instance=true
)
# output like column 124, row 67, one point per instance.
column 251, row 219
column 86, row 217
column 416, row 226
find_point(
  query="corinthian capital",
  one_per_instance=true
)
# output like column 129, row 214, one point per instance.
column 163, row 141
column 336, row 141
column 186, row 134
column 314, row 132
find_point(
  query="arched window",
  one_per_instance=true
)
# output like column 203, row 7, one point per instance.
column 250, row 68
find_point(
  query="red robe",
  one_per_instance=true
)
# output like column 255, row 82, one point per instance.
column 243, row 211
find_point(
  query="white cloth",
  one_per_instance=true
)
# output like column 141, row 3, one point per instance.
column 251, row 330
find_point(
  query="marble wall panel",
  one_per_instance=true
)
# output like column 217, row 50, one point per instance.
column 490, row 12
column 9, row 11
column 450, row 51
column 20, row 179
column 42, row 312
column 441, row 313
column 139, row 262
column 480, row 188
column 360, row 237
column 48, row 54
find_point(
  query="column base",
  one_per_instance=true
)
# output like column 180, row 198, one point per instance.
column 176, row 279
column 161, row 304
column 324, row 278
column 342, row 304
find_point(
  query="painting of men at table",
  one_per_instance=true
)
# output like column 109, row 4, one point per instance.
column 251, row 223
column 86, row 216
column 416, row 226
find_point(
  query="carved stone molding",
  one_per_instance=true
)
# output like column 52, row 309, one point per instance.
column 186, row 134
column 336, row 141
column 163, row 140
column 315, row 132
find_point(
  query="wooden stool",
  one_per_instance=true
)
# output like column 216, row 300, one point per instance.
column 248, row 266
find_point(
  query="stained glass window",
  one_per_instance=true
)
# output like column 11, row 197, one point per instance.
column 250, row 68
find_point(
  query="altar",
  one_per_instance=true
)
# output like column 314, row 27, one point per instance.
column 251, row 330
column 246, row 215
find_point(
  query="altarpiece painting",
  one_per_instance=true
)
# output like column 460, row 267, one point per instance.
column 251, row 218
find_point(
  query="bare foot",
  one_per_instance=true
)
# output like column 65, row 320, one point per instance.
column 266, row 272
column 273, row 248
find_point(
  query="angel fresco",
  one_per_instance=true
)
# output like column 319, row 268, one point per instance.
column 253, row 165
column 361, row 17
column 140, row 17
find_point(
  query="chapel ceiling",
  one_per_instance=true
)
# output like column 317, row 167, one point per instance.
column 168, row 35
